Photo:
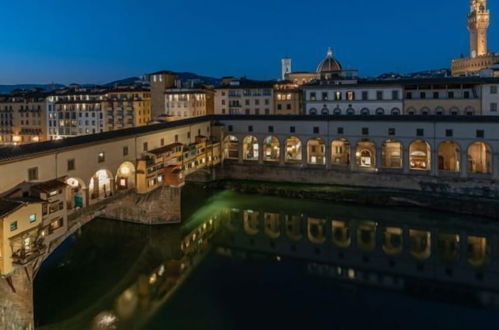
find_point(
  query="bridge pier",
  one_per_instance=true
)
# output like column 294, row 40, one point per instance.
column 16, row 303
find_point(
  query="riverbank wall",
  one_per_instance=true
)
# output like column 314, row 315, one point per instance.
column 476, row 196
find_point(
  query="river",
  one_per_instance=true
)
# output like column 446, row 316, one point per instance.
column 256, row 262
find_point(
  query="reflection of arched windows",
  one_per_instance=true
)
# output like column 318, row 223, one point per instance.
column 449, row 157
column 313, row 111
column 420, row 156
column 478, row 251
column 395, row 111
column 448, row 247
column 392, row 154
column 340, row 152
column 316, row 230
column 364, row 112
column 392, row 241
column 337, row 111
column 271, row 149
column 479, row 158
column 293, row 149
column 380, row 111
column 420, row 242
column 366, row 235
column 341, row 234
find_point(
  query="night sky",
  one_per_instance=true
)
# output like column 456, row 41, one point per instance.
column 99, row 41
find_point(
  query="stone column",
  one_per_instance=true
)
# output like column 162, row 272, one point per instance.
column 406, row 160
column 282, row 153
column 328, row 155
column 241, row 150
column 495, row 166
column 260, row 153
column 434, row 161
column 463, row 164
column 379, row 156
column 304, row 154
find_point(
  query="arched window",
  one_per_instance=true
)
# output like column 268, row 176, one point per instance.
column 325, row 111
column 425, row 111
column 365, row 112
column 420, row 156
column 316, row 151
column 271, row 149
column 392, row 154
column 479, row 158
column 313, row 111
column 469, row 111
column 350, row 111
column 366, row 235
column 411, row 111
column 340, row 152
column 439, row 111
column 449, row 157
column 293, row 150
column 250, row 148
column 337, row 111
column 454, row 111
column 420, row 243
column 395, row 111
column 366, row 154
column 231, row 147
column 393, row 241
column 380, row 111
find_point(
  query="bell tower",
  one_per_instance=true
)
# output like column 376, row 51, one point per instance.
column 478, row 24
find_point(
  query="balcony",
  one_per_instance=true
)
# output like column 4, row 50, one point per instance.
column 25, row 255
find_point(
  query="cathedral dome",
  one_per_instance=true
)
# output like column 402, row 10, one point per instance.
column 329, row 64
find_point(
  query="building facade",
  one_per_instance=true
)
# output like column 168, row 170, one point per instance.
column 244, row 97
column 126, row 107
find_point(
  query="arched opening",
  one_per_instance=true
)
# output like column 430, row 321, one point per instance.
column 366, row 235
column 325, row 111
column 420, row 241
column 100, row 186
column 454, row 111
column 271, row 149
column 231, row 147
column 392, row 154
column 251, row 222
column 337, row 111
column 393, row 241
column 341, row 234
column 125, row 176
column 479, row 158
column 316, row 230
column 350, row 111
column 77, row 195
column 425, row 111
column 316, row 152
column 380, row 111
column 293, row 150
column 293, row 227
column 448, row 247
column 366, row 154
column 439, row 111
column 340, row 152
column 478, row 251
column 420, row 156
column 395, row 111
column 313, row 111
column 365, row 112
column 469, row 111
column 411, row 111
column 449, row 157
column 272, row 225
column 250, row 148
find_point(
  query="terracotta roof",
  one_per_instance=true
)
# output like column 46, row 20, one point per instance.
column 8, row 206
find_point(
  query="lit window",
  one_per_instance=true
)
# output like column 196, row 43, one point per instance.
column 32, row 218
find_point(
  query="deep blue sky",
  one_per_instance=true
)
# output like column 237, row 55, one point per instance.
column 102, row 40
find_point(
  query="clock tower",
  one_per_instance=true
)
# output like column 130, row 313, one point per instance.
column 478, row 24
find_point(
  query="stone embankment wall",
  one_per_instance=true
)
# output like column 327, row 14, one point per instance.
column 476, row 196
column 16, row 300
column 159, row 207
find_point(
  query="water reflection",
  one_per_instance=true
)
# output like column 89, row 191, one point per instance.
column 357, row 247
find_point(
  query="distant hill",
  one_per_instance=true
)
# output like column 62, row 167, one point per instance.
column 4, row 89
column 438, row 73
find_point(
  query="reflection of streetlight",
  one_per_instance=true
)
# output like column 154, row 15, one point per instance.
column 105, row 321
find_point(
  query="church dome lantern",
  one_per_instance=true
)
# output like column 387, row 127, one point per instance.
column 329, row 64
